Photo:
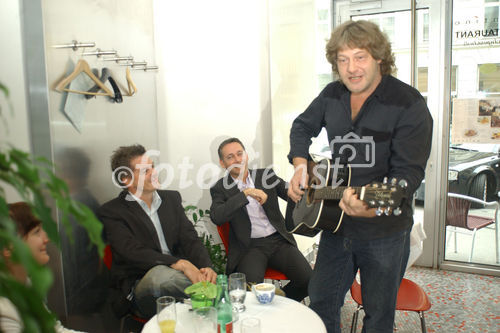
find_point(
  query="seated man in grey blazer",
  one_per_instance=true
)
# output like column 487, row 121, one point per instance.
column 156, row 250
column 248, row 200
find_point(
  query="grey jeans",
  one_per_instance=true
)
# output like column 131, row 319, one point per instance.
column 158, row 281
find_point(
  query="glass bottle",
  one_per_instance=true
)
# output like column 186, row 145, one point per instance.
column 223, row 305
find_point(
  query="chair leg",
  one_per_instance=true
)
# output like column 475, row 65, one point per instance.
column 354, row 325
column 496, row 241
column 455, row 231
column 472, row 246
column 422, row 321
column 122, row 323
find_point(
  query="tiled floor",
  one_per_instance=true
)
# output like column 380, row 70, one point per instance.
column 461, row 302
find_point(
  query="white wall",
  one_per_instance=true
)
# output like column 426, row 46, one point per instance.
column 15, row 129
column 293, row 76
column 214, row 83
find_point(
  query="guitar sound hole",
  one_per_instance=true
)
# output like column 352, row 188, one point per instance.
column 310, row 196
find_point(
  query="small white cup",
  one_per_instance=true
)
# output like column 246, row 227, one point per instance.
column 250, row 325
column 264, row 292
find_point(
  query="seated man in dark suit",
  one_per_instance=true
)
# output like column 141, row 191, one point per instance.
column 248, row 200
column 156, row 250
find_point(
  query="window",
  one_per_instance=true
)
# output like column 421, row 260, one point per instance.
column 489, row 79
column 491, row 18
column 422, row 80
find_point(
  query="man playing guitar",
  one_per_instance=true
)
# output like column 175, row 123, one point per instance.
column 389, row 119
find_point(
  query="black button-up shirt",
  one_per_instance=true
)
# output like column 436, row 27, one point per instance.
column 390, row 137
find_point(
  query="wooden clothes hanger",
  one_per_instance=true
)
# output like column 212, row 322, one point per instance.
column 132, row 89
column 83, row 66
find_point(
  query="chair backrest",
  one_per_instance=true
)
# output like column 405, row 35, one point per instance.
column 223, row 231
column 108, row 256
column 411, row 297
column 457, row 212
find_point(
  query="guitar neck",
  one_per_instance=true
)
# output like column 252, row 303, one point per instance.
column 328, row 193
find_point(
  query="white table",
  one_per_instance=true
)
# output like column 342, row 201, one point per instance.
column 282, row 315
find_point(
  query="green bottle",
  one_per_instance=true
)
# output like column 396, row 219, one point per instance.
column 224, row 307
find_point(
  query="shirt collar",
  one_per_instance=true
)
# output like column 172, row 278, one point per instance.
column 154, row 205
column 378, row 92
column 240, row 184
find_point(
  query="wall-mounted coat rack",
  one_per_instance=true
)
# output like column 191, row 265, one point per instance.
column 84, row 67
column 75, row 45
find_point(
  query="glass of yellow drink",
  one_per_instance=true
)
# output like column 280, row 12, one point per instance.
column 166, row 314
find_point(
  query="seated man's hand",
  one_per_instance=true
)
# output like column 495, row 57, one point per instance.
column 190, row 270
column 208, row 274
column 257, row 194
column 352, row 206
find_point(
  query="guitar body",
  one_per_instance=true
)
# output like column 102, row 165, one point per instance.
column 310, row 216
column 318, row 209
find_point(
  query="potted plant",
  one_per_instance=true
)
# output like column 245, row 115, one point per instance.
column 33, row 179
column 199, row 218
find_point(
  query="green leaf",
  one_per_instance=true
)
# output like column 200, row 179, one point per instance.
column 190, row 207
column 36, row 184
column 4, row 90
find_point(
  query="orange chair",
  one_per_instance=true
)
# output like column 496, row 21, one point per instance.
column 108, row 261
column 411, row 297
column 271, row 273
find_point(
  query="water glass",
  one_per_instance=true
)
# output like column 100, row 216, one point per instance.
column 166, row 314
column 237, row 291
column 205, row 320
column 250, row 325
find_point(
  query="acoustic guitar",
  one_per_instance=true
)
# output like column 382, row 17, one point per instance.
column 318, row 209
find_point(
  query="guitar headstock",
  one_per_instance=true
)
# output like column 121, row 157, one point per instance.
column 385, row 196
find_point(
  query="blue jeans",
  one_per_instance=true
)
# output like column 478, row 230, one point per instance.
column 381, row 262
column 158, row 281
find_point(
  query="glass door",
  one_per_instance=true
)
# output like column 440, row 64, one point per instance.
column 471, row 229
column 395, row 19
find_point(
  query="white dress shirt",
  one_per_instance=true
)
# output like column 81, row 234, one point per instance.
column 152, row 213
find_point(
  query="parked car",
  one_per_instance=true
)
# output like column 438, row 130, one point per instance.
column 473, row 170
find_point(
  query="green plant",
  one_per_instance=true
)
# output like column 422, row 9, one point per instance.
column 34, row 181
column 216, row 251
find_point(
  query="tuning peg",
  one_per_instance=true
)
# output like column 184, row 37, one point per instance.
column 385, row 180
column 379, row 211
column 388, row 211
column 390, row 202
column 372, row 203
column 393, row 181
column 374, row 185
column 384, row 187
column 403, row 183
column 397, row 211
column 381, row 203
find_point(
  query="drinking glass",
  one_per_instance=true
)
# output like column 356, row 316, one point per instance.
column 250, row 325
column 165, row 311
column 237, row 291
column 205, row 320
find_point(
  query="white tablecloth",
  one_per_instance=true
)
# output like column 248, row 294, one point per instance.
column 282, row 315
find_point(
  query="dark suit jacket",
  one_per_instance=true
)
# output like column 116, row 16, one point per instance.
column 134, row 241
column 229, row 205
